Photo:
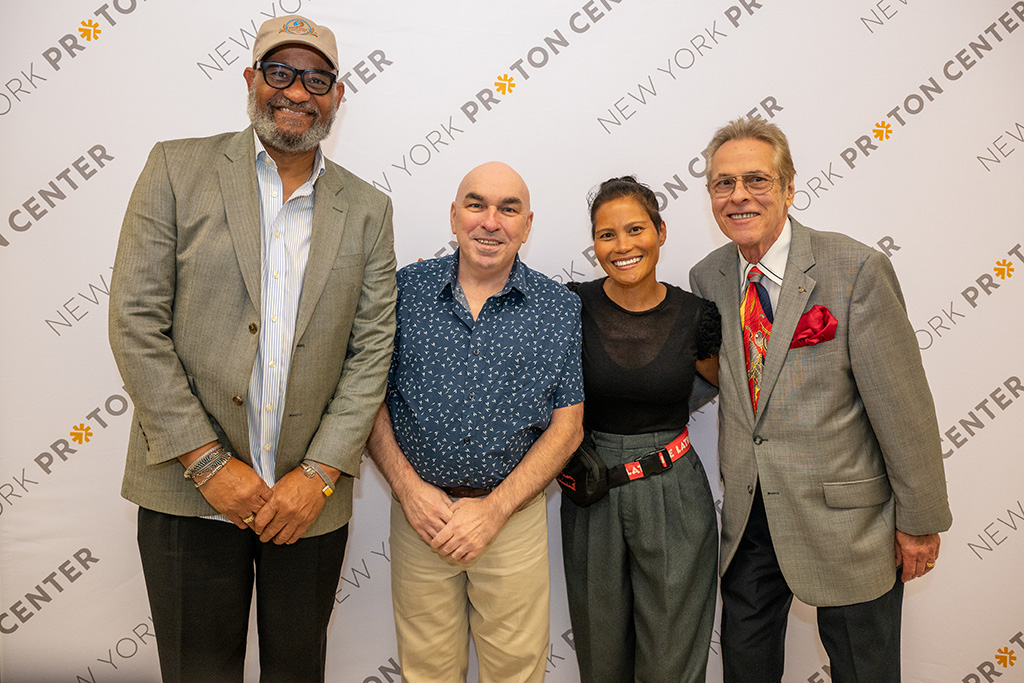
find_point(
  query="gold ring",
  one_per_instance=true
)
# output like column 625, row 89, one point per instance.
column 252, row 518
column 929, row 564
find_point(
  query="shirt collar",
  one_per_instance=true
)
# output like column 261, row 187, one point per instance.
column 773, row 263
column 516, row 278
column 263, row 156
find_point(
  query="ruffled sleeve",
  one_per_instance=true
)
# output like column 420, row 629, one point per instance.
column 709, row 330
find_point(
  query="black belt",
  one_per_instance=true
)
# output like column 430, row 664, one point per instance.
column 465, row 491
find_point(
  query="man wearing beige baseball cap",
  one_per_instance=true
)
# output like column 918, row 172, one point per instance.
column 252, row 319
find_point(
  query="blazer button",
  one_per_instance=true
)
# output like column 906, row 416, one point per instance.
column 758, row 440
column 253, row 328
column 237, row 400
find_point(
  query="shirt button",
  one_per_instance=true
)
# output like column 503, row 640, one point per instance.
column 476, row 352
column 273, row 318
column 758, row 440
column 253, row 328
column 267, row 448
column 277, row 234
column 273, row 194
column 237, row 400
column 271, row 364
column 277, row 275
column 269, row 408
column 466, row 440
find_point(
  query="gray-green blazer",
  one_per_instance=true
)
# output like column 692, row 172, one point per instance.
column 185, row 315
column 845, row 441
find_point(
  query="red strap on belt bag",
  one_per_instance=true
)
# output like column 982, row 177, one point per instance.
column 586, row 479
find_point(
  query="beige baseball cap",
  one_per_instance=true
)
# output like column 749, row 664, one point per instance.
column 295, row 29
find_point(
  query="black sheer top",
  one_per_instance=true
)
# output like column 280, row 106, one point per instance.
column 638, row 367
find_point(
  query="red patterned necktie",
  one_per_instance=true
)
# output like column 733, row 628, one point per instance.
column 757, row 327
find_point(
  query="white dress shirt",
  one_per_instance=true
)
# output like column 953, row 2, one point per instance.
column 772, row 265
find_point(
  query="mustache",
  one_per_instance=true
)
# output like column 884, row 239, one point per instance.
column 283, row 101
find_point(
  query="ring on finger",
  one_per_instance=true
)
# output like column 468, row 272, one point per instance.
column 250, row 519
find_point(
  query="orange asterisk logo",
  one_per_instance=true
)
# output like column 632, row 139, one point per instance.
column 81, row 433
column 505, row 84
column 1003, row 269
column 89, row 30
column 882, row 130
column 1005, row 657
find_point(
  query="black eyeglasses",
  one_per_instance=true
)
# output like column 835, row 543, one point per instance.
column 281, row 76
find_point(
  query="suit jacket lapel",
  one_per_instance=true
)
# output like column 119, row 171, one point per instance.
column 329, row 210
column 727, row 297
column 242, row 207
column 797, row 286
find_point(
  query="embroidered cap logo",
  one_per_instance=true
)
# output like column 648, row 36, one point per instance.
column 297, row 27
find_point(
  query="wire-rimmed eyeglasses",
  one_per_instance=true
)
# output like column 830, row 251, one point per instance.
column 755, row 183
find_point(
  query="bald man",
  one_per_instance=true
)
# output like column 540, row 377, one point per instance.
column 484, row 406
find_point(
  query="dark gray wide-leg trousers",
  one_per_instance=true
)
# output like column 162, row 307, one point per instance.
column 641, row 568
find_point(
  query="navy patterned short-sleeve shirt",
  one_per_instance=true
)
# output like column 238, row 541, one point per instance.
column 469, row 398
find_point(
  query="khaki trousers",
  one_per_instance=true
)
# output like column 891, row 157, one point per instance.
column 502, row 599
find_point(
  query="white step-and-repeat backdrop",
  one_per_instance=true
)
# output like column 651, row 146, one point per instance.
column 906, row 120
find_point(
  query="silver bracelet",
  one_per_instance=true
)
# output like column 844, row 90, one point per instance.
column 214, row 470
column 203, row 461
column 209, row 463
column 210, row 467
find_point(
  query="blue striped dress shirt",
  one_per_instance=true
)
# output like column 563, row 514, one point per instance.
column 286, row 229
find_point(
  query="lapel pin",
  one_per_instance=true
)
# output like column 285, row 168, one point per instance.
column 801, row 290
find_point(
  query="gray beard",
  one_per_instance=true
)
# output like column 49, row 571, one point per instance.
column 272, row 136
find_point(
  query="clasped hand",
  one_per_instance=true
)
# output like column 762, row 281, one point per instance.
column 458, row 530
column 282, row 513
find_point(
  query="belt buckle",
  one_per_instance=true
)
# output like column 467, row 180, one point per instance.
column 655, row 462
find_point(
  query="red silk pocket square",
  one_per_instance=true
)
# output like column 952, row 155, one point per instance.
column 815, row 326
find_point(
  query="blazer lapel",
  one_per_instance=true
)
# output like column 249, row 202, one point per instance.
column 242, row 207
column 797, row 286
column 329, row 211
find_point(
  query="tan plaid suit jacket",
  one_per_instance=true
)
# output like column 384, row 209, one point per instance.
column 845, row 441
column 185, row 311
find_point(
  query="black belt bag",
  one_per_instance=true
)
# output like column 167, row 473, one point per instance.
column 585, row 479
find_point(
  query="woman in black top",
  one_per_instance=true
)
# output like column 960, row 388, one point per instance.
column 641, row 563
